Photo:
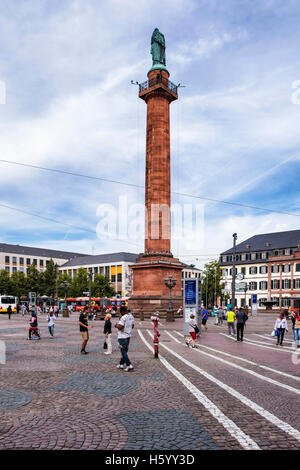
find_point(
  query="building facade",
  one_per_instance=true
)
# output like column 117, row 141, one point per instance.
column 117, row 267
column 267, row 265
column 15, row 258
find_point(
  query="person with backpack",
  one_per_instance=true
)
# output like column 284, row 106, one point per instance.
column 193, row 330
column 33, row 326
column 241, row 318
column 9, row 310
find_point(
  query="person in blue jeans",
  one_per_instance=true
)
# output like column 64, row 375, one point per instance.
column 125, row 326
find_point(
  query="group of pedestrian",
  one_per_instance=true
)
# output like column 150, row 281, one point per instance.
column 281, row 326
column 240, row 317
column 124, row 326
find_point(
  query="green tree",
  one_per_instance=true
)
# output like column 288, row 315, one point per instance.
column 33, row 280
column 19, row 284
column 5, row 283
column 211, row 283
column 63, row 278
column 48, row 280
column 101, row 287
column 79, row 283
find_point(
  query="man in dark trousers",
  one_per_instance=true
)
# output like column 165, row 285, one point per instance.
column 241, row 318
column 9, row 311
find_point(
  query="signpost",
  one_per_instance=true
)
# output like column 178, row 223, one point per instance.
column 254, row 305
column 32, row 300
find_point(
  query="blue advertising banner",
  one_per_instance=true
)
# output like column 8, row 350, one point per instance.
column 190, row 294
column 254, row 298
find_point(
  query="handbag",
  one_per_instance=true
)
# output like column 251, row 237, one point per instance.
column 105, row 345
column 196, row 329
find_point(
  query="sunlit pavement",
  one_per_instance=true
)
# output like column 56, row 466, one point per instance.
column 223, row 395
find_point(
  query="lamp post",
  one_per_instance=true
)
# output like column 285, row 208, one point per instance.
column 56, row 290
column 170, row 282
column 90, row 291
column 233, row 273
column 66, row 286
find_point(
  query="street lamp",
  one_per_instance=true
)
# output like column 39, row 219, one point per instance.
column 90, row 291
column 66, row 286
column 56, row 290
column 170, row 282
column 233, row 272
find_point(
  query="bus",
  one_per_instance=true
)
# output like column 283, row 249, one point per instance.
column 5, row 301
column 97, row 303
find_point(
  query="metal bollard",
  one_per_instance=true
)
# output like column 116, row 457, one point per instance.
column 155, row 319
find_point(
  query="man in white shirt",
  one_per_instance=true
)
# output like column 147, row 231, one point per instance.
column 125, row 326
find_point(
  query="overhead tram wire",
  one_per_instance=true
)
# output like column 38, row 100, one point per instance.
column 80, row 175
column 49, row 219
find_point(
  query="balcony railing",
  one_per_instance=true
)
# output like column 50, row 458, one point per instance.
column 155, row 81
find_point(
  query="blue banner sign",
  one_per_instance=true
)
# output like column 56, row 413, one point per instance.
column 254, row 298
column 190, row 294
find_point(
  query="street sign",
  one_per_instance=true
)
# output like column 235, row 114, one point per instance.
column 254, row 304
column 241, row 286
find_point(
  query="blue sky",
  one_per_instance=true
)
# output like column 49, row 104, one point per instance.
column 67, row 67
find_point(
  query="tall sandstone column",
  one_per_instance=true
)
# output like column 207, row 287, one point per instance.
column 157, row 262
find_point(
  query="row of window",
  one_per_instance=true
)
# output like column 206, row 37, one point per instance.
column 28, row 261
column 256, row 256
column 14, row 269
column 193, row 275
column 285, row 302
column 275, row 284
column 275, row 268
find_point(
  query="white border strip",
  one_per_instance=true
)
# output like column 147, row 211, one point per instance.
column 244, row 440
column 254, row 406
column 259, row 344
column 238, row 358
column 248, row 371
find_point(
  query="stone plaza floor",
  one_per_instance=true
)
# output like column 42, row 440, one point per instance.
column 224, row 395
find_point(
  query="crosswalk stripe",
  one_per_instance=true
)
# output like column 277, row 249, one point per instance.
column 244, row 440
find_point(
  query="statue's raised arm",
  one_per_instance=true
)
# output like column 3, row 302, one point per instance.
column 158, row 47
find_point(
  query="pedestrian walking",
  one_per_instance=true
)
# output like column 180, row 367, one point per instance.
column 241, row 318
column 281, row 326
column 220, row 315
column 83, row 328
column 107, row 333
column 230, row 321
column 51, row 323
column 125, row 326
column 9, row 310
column 33, row 326
column 204, row 317
column 193, row 330
column 23, row 308
column 296, row 328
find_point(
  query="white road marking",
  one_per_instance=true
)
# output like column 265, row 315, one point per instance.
column 254, row 406
column 244, row 440
column 279, row 372
column 177, row 340
column 271, row 338
column 259, row 344
column 248, row 371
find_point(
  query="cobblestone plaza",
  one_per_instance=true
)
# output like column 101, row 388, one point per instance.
column 223, row 395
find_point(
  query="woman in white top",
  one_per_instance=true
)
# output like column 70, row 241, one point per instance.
column 51, row 319
column 281, row 326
